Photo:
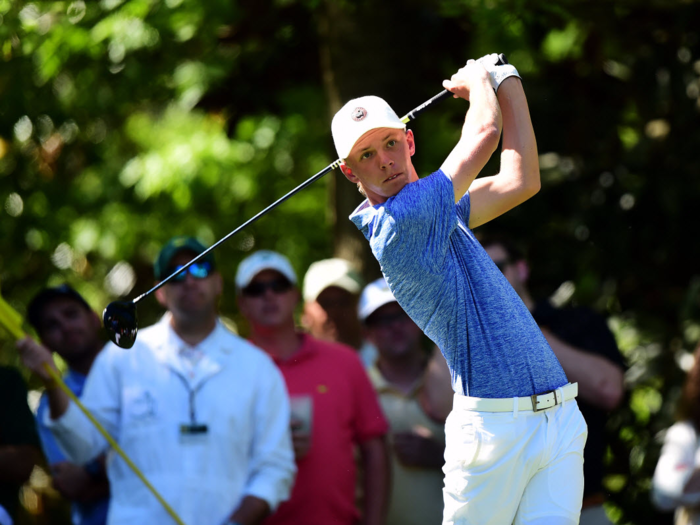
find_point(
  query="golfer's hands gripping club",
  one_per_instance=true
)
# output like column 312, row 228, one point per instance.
column 499, row 69
column 464, row 80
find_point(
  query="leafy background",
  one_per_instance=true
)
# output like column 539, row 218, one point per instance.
column 125, row 122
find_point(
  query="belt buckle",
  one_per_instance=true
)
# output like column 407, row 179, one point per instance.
column 534, row 397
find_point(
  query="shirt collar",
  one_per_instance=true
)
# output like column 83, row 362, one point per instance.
column 381, row 385
column 176, row 343
column 306, row 351
column 210, row 361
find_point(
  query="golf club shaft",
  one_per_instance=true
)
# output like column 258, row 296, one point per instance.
column 406, row 119
column 425, row 105
column 301, row 186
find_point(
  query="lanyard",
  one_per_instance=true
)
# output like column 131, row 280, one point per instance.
column 192, row 394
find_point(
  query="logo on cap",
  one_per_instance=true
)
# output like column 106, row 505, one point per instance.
column 358, row 114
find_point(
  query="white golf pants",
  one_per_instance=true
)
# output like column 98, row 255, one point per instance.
column 517, row 467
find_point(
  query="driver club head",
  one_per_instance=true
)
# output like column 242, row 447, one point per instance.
column 120, row 320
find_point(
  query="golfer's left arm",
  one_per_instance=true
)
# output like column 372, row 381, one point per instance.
column 375, row 460
column 519, row 177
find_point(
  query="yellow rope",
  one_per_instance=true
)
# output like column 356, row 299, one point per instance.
column 11, row 320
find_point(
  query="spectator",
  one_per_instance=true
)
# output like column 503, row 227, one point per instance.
column 331, row 291
column 19, row 443
column 333, row 405
column 398, row 376
column 201, row 412
column 587, row 351
column 67, row 325
column 676, row 482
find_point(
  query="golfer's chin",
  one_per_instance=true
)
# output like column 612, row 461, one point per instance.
column 386, row 191
column 396, row 184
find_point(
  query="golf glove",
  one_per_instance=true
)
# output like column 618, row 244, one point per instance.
column 498, row 70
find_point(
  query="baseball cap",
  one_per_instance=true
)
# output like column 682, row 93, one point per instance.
column 35, row 310
column 330, row 272
column 375, row 295
column 359, row 116
column 263, row 260
column 161, row 266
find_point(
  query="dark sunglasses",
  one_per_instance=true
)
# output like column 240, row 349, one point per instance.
column 382, row 321
column 257, row 289
column 197, row 270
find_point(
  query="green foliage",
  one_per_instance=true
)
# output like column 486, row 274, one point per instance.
column 109, row 146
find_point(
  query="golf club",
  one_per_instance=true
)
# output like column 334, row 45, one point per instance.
column 119, row 317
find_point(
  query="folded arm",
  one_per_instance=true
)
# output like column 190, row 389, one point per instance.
column 519, row 176
column 600, row 381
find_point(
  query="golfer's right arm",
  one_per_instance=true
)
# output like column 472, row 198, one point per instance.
column 481, row 130
column 76, row 435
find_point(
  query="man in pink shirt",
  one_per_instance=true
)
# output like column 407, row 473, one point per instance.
column 334, row 407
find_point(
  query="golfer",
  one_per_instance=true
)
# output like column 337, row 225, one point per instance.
column 515, row 436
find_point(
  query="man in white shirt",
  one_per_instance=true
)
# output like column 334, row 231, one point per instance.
column 201, row 412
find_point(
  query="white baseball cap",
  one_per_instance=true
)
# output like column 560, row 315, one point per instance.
column 330, row 272
column 263, row 260
column 359, row 116
column 375, row 295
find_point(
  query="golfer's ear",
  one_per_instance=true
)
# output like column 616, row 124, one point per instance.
column 411, row 141
column 348, row 173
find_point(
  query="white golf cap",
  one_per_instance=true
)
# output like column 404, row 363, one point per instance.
column 330, row 272
column 375, row 295
column 359, row 116
column 263, row 260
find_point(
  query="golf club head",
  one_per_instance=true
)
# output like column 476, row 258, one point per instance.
column 121, row 323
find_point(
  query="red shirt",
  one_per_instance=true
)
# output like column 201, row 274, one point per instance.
column 345, row 412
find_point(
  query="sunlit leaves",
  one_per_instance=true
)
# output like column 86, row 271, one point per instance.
column 125, row 34
column 564, row 43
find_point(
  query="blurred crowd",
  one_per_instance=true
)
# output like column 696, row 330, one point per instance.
column 333, row 416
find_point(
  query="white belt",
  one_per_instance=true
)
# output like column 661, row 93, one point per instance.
column 535, row 402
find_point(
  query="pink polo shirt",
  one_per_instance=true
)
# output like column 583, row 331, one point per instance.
column 344, row 412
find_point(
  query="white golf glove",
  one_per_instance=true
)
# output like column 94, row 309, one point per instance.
column 498, row 71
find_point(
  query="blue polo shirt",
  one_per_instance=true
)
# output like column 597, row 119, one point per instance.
column 447, row 283
column 91, row 513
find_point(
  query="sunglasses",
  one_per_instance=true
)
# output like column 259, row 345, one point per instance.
column 197, row 270
column 383, row 321
column 258, row 289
